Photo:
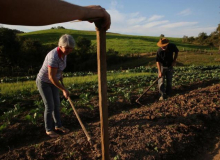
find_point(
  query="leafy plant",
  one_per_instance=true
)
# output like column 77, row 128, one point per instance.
column 7, row 116
column 34, row 115
column 39, row 103
column 86, row 100
column 112, row 99
column 66, row 109
column 117, row 157
column 3, row 127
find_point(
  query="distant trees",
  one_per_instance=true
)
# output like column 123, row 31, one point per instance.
column 9, row 47
column 18, row 52
column 218, row 33
column 23, row 56
column 58, row 27
column 32, row 52
column 162, row 35
column 212, row 40
column 201, row 39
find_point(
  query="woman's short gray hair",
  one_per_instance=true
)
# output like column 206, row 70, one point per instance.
column 66, row 40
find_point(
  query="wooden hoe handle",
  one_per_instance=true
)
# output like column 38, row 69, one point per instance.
column 77, row 116
column 148, row 88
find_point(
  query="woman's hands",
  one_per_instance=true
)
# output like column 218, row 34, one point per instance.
column 66, row 93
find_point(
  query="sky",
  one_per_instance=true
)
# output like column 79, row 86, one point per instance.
column 172, row 18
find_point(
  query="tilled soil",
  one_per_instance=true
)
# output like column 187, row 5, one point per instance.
column 185, row 126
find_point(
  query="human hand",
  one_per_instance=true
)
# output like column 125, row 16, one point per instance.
column 66, row 93
column 100, row 22
column 160, row 74
column 174, row 63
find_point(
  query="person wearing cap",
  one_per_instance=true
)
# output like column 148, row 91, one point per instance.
column 166, row 57
column 48, row 84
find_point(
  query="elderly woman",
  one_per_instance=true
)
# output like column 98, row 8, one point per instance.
column 48, row 83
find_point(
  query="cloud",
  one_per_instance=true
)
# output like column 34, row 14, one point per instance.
column 116, row 16
column 155, row 17
column 114, row 5
column 185, row 12
column 155, row 23
column 135, row 23
column 179, row 25
column 135, row 18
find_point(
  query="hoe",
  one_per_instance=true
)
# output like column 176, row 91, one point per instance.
column 77, row 116
column 137, row 100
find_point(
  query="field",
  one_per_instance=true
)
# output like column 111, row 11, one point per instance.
column 185, row 126
column 124, row 44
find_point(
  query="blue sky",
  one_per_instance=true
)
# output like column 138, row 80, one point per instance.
column 173, row 18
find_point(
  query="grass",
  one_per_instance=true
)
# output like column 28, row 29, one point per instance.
column 199, row 59
column 184, row 59
column 13, row 88
column 124, row 44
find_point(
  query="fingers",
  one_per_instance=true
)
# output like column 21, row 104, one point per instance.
column 101, row 21
column 106, row 20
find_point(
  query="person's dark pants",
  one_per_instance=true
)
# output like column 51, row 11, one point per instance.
column 165, row 83
column 51, row 99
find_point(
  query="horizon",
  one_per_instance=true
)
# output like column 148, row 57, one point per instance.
column 172, row 19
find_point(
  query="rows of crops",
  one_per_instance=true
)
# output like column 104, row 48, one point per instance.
column 119, row 89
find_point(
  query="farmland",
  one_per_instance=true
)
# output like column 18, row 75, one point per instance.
column 184, row 126
column 180, row 127
column 124, row 44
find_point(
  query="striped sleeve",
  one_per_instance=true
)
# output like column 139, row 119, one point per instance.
column 52, row 61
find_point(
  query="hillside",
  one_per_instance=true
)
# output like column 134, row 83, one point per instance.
column 124, row 44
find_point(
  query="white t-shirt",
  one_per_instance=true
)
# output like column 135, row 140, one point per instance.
column 53, row 60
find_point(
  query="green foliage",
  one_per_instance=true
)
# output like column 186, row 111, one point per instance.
column 32, row 52
column 24, row 54
column 66, row 108
column 112, row 99
column 9, row 48
column 9, row 115
column 19, row 55
column 85, row 100
column 211, row 40
column 58, row 27
column 123, row 44
column 36, row 114
column 39, row 103
column 3, row 127
column 83, row 45
column 117, row 157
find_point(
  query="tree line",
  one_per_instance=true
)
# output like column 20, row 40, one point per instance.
column 212, row 40
column 20, row 56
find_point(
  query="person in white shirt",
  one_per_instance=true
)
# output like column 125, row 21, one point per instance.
column 48, row 84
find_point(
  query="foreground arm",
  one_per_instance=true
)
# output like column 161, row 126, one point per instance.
column 45, row 12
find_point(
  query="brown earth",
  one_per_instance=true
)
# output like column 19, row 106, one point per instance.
column 185, row 126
